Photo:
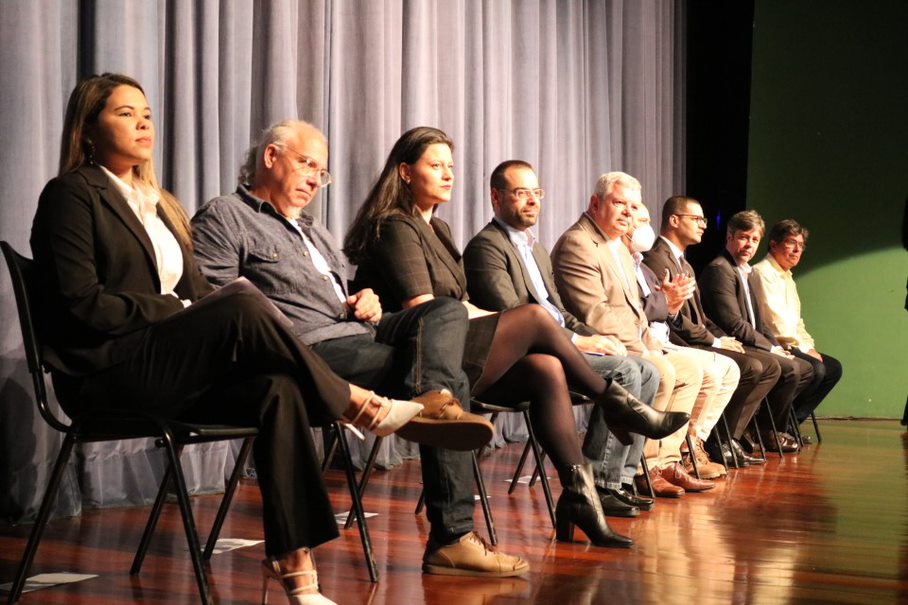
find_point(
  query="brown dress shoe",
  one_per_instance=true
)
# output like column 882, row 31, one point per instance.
column 788, row 444
column 444, row 423
column 675, row 474
column 661, row 487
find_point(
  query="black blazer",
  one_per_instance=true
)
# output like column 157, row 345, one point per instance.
column 692, row 326
column 99, row 286
column 725, row 300
column 412, row 258
column 498, row 279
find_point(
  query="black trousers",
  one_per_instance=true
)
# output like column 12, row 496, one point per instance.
column 826, row 374
column 414, row 351
column 229, row 362
column 794, row 376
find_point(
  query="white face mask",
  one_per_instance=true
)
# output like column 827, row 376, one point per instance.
column 643, row 239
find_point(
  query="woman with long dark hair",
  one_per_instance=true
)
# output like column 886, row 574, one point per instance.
column 408, row 257
column 119, row 311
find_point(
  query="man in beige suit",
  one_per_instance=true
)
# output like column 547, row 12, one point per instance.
column 595, row 274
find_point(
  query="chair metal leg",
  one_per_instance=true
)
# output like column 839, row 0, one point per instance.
column 816, row 427
column 715, row 433
column 192, row 537
column 756, row 429
column 649, row 484
column 364, row 476
column 47, row 504
column 734, row 455
column 154, row 514
column 484, row 501
column 421, row 503
column 330, row 435
column 229, row 491
column 357, row 504
column 540, row 462
column 519, row 468
column 690, row 452
column 775, row 431
column 795, row 429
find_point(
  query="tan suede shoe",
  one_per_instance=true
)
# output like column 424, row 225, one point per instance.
column 443, row 423
column 471, row 556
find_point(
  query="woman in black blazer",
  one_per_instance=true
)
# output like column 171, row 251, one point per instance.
column 408, row 257
column 119, row 311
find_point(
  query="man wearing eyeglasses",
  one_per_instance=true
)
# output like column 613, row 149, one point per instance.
column 263, row 232
column 780, row 307
column 506, row 267
column 730, row 293
column 683, row 224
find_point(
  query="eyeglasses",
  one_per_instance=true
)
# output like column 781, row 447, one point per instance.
column 309, row 167
column 701, row 220
column 793, row 243
column 523, row 194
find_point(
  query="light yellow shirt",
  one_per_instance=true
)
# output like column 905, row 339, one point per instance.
column 781, row 306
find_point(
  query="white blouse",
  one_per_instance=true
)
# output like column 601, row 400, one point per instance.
column 168, row 255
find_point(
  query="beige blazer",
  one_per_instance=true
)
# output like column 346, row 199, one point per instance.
column 593, row 286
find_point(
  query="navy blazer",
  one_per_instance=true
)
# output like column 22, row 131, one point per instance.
column 725, row 300
column 497, row 278
column 97, row 278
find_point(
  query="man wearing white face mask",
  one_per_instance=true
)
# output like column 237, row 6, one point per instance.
column 662, row 300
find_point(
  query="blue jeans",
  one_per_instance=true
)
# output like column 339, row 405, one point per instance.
column 613, row 462
column 414, row 351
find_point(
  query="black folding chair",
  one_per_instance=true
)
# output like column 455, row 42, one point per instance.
column 114, row 425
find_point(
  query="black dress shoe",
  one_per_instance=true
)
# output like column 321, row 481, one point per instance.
column 717, row 452
column 613, row 507
column 743, row 457
column 626, row 495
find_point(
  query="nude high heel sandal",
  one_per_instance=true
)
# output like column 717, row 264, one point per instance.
column 399, row 414
column 296, row 594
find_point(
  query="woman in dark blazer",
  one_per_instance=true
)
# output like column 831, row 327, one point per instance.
column 408, row 257
column 126, row 325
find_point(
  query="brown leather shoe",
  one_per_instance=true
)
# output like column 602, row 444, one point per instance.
column 661, row 487
column 708, row 469
column 471, row 556
column 675, row 474
column 788, row 444
column 443, row 423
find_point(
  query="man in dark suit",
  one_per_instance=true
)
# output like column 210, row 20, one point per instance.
column 683, row 224
column 507, row 267
column 730, row 293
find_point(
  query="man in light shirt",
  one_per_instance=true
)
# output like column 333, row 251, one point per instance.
column 730, row 294
column 781, row 310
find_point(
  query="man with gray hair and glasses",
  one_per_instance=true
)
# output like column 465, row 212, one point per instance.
column 263, row 232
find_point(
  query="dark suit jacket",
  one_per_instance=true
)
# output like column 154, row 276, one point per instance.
column 411, row 258
column 655, row 305
column 724, row 299
column 498, row 279
column 99, row 286
column 692, row 326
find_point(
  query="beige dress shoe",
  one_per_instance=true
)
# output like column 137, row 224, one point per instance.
column 471, row 556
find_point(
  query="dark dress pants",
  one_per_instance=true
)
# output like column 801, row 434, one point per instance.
column 756, row 381
column 826, row 374
column 229, row 362
column 414, row 351
column 794, row 377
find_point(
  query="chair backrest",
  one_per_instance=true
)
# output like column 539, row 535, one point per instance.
column 22, row 275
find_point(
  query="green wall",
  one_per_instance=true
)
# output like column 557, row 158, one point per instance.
column 829, row 147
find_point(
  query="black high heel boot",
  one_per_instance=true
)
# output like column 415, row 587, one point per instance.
column 623, row 412
column 579, row 505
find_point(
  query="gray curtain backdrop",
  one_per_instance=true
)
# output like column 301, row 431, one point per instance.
column 575, row 87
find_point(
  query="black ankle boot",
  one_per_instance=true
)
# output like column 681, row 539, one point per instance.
column 623, row 412
column 579, row 505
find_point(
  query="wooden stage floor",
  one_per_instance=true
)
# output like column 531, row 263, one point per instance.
column 826, row 526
